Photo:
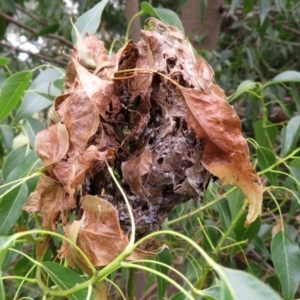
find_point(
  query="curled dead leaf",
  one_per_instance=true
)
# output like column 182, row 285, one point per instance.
column 226, row 153
column 52, row 144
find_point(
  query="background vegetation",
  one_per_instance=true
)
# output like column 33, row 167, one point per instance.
column 253, row 48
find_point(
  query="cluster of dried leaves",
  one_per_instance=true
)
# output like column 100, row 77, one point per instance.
column 154, row 114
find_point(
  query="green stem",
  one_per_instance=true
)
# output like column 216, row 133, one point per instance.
column 201, row 208
column 131, row 284
column 129, row 25
column 228, row 231
column 31, row 280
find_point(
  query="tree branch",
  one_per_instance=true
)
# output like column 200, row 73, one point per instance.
column 38, row 55
column 35, row 32
column 32, row 16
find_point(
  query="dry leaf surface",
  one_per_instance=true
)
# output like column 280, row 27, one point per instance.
column 152, row 112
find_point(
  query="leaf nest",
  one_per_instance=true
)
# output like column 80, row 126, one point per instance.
column 154, row 114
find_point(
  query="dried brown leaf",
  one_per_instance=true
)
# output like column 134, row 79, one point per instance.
column 52, row 144
column 101, row 237
column 226, row 153
column 78, row 114
column 135, row 168
column 48, row 199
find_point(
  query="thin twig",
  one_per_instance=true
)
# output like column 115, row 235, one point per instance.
column 34, row 31
column 38, row 55
column 29, row 14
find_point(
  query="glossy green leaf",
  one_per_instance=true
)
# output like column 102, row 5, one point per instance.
column 13, row 159
column 2, row 78
column 167, row 16
column 292, row 136
column 246, row 233
column 296, row 174
column 260, row 247
column 89, row 21
column 266, row 158
column 244, row 87
column 212, row 235
column 40, row 93
column 32, row 103
column 265, row 133
column 163, row 257
column 48, row 76
column 239, row 285
column 31, row 127
column 287, row 76
column 212, row 293
column 11, row 207
column 28, row 166
column 59, row 84
column 12, row 90
column 235, row 202
column 65, row 278
column 5, row 243
column 286, row 259
column 7, row 135
column 224, row 212
column 263, row 9
column 3, row 61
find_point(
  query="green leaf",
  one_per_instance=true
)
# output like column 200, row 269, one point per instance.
column 280, row 4
column 263, row 8
column 27, row 167
column 164, row 257
column 266, row 158
column 246, row 233
column 89, row 21
column 12, row 90
column 234, row 5
column 13, row 159
column 178, row 296
column 238, row 285
column 8, row 5
column 7, row 135
column 3, row 61
column 49, row 29
column 65, row 278
column 40, row 94
column 244, row 87
column 48, row 76
column 286, row 259
column 11, row 207
column 5, row 243
column 291, row 136
column 2, row 291
column 286, row 76
column 265, row 133
column 223, row 209
column 32, row 103
column 248, row 6
column 167, row 16
column 59, row 84
column 212, row 293
column 31, row 127
column 235, row 202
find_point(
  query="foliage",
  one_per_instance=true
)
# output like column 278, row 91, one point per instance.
column 210, row 252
